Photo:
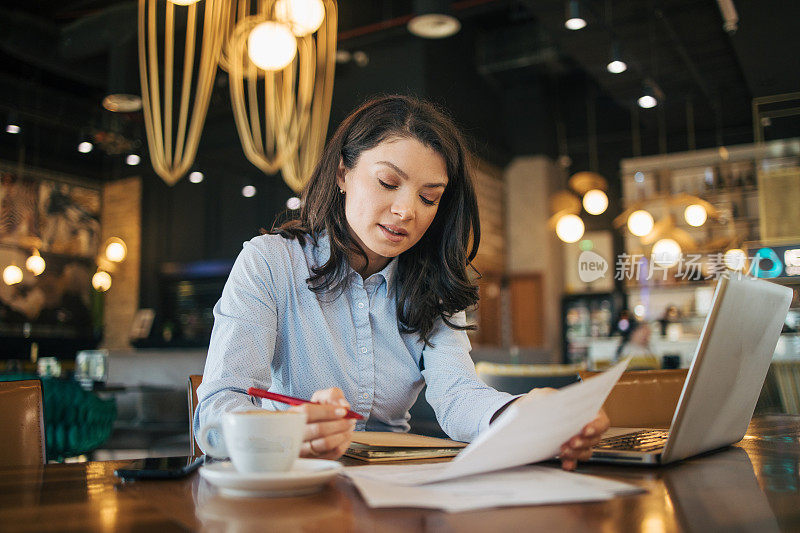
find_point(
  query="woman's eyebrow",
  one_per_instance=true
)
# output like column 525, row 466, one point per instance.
column 405, row 176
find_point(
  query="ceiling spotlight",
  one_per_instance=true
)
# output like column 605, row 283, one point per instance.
column 248, row 191
column 184, row 2
column 85, row 147
column 293, row 203
column 196, row 176
column 648, row 98
column 133, row 160
column 616, row 65
column 574, row 19
column 13, row 124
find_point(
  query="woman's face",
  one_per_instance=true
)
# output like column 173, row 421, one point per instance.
column 391, row 197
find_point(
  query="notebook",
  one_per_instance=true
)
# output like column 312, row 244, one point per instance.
column 724, row 381
column 383, row 446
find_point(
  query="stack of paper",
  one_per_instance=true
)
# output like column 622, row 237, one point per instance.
column 385, row 486
column 530, row 430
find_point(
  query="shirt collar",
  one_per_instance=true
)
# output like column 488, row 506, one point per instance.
column 322, row 253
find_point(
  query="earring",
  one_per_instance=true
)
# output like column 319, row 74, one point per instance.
column 341, row 191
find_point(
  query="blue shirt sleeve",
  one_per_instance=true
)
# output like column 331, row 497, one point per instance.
column 243, row 338
column 464, row 405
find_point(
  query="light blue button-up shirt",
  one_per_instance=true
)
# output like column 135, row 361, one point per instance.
column 272, row 332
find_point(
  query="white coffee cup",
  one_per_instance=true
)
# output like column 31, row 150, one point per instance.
column 257, row 440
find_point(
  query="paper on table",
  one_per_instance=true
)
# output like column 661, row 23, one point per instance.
column 529, row 431
column 528, row 485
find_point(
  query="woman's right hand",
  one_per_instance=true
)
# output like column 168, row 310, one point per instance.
column 327, row 434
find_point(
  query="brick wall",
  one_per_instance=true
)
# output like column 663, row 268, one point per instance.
column 121, row 216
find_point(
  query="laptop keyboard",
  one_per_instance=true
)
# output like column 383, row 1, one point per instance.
column 640, row 441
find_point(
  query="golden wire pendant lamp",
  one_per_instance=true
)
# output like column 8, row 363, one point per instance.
column 282, row 104
column 170, row 90
column 240, row 10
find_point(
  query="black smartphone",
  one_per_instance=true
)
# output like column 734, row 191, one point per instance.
column 160, row 468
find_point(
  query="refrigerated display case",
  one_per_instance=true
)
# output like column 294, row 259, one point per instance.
column 586, row 317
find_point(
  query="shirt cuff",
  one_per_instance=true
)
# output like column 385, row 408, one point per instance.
column 493, row 408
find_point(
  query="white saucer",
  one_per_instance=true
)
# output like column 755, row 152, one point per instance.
column 307, row 476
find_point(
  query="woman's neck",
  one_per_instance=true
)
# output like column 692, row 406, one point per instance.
column 374, row 263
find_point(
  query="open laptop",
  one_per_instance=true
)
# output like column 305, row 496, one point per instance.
column 724, row 381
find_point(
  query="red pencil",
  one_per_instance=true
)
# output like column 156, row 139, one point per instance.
column 291, row 400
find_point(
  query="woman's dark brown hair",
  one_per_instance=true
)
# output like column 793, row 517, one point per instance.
column 432, row 278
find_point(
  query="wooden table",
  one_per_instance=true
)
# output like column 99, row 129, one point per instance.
column 752, row 486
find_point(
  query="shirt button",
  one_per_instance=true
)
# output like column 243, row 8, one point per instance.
column 364, row 349
column 361, row 305
column 365, row 395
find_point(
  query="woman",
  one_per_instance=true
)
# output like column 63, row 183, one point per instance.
column 636, row 344
column 361, row 300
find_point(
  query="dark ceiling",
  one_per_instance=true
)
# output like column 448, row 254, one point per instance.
column 514, row 77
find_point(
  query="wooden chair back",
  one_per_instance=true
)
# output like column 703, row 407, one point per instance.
column 22, row 420
column 194, row 382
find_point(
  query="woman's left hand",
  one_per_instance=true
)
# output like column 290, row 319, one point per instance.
column 579, row 447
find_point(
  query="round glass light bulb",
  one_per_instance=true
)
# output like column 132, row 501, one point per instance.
column 116, row 252
column 695, row 215
column 271, row 46
column 85, row 147
column 575, row 23
column 248, row 191
column 304, row 16
column 595, row 202
column 569, row 228
column 617, row 67
column 666, row 253
column 735, row 259
column 196, row 176
column 35, row 264
column 293, row 203
column 640, row 223
column 12, row 274
column 101, row 281
column 639, row 310
column 647, row 101
column 133, row 159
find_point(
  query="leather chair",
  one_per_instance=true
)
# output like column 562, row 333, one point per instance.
column 644, row 398
column 194, row 382
column 22, row 421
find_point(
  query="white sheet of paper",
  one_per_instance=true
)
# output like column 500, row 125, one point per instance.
column 527, row 485
column 531, row 430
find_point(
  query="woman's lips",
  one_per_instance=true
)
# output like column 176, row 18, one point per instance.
column 393, row 233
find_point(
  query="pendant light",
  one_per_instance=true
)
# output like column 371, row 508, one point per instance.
column 574, row 20
column 433, row 20
column 615, row 63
